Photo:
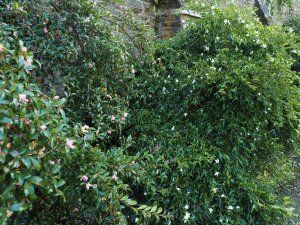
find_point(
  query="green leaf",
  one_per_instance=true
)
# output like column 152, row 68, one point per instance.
column 131, row 202
column 159, row 210
column 17, row 207
column 153, row 208
column 5, row 120
column 35, row 163
column 36, row 180
column 59, row 184
column 26, row 162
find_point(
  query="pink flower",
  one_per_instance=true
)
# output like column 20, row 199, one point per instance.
column 109, row 96
column 125, row 114
column 109, row 131
column 113, row 118
column 43, row 127
column 114, row 177
column 56, row 97
column 84, row 178
column 69, row 143
column 45, row 30
column 24, row 49
column 1, row 48
column 27, row 62
column 88, row 185
column 22, row 98
column 87, row 19
column 75, row 210
column 123, row 118
column 27, row 121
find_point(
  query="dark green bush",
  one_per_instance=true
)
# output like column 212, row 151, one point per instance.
column 192, row 137
column 221, row 91
column 293, row 25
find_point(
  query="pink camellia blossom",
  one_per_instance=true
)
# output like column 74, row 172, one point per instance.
column 84, row 178
column 88, row 185
column 125, row 114
column 109, row 131
column 75, row 210
column 113, row 118
column 45, row 30
column 114, row 177
column 27, row 62
column 27, row 121
column 69, row 143
column 56, row 97
column 22, row 98
column 43, row 127
column 123, row 118
column 24, row 49
column 1, row 48
column 87, row 19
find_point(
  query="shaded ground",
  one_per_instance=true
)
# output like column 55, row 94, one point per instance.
column 293, row 191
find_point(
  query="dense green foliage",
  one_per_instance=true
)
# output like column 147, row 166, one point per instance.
column 190, row 134
column 293, row 24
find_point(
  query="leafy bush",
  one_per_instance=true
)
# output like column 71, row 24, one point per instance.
column 80, row 44
column 221, row 109
column 51, row 172
column 32, row 135
column 189, row 135
column 293, row 24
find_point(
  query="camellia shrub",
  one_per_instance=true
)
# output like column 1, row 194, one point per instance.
column 216, row 109
column 52, row 172
column 82, row 45
column 33, row 134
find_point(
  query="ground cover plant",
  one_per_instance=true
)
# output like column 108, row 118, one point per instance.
column 191, row 134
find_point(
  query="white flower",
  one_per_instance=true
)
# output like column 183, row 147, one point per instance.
column 217, row 173
column 223, row 196
column 294, row 51
column 210, row 210
column 136, row 220
column 186, row 217
column 217, row 161
column 291, row 30
column 213, row 7
column 185, row 114
column 214, row 190
column 186, row 207
column 238, row 207
column 230, row 207
column 217, row 38
column 226, row 21
column 176, row 80
column 264, row 46
column 206, row 48
column 173, row 128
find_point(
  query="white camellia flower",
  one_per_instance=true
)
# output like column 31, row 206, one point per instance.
column 186, row 207
column 210, row 210
column 230, row 207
